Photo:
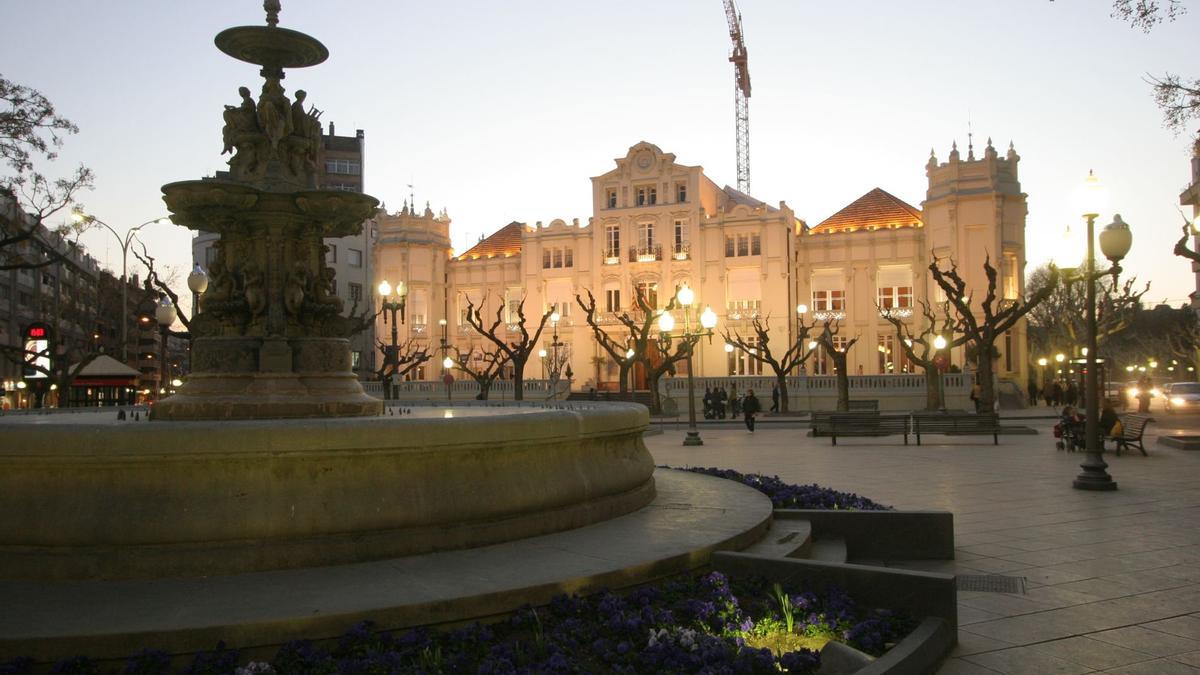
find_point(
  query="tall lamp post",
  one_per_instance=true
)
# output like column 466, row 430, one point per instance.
column 392, row 306
column 555, row 366
column 1115, row 242
column 125, row 242
column 197, row 282
column 447, row 362
column 666, row 323
column 165, row 314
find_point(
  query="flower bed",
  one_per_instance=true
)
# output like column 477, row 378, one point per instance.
column 788, row 496
column 683, row 625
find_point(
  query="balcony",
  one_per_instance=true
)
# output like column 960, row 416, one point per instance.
column 612, row 256
column 895, row 312
column 645, row 253
column 829, row 315
column 681, row 251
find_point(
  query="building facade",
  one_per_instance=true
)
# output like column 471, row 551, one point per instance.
column 657, row 224
column 342, row 160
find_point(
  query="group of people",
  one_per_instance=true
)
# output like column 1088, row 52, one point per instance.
column 717, row 401
column 1055, row 393
column 1071, row 425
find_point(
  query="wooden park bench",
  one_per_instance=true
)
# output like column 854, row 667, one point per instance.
column 1132, row 428
column 866, row 424
column 864, row 406
column 956, row 423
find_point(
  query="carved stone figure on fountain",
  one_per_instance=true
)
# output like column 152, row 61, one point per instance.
column 304, row 143
column 255, row 293
column 273, row 112
column 241, row 132
column 293, row 294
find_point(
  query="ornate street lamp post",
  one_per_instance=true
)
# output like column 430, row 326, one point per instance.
column 555, row 364
column 165, row 314
column 197, row 283
column 392, row 306
column 125, row 242
column 1115, row 242
column 666, row 323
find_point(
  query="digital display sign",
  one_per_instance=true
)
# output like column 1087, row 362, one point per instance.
column 37, row 345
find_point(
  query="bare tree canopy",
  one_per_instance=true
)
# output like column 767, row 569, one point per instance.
column 995, row 315
column 638, row 323
column 782, row 364
column 402, row 360
column 516, row 343
column 31, row 129
column 29, row 126
column 1146, row 14
column 484, row 368
column 1060, row 321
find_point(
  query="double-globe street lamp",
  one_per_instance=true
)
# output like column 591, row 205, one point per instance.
column 1115, row 241
column 685, row 296
column 392, row 304
column 125, row 242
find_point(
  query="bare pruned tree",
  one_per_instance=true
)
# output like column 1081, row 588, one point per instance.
column 996, row 316
column 402, row 360
column 920, row 350
column 484, row 369
column 829, row 331
column 639, row 325
column 517, row 350
column 796, row 353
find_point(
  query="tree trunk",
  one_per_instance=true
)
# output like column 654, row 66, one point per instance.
column 933, row 388
column 624, row 375
column 518, row 379
column 843, row 381
column 987, row 394
column 485, row 385
column 655, row 403
column 781, row 382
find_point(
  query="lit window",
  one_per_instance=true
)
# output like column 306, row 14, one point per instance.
column 895, row 296
column 829, row 301
column 612, row 241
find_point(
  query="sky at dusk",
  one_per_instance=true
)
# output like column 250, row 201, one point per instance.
column 501, row 111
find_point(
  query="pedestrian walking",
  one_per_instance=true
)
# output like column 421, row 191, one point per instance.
column 750, row 408
column 1033, row 393
column 775, row 398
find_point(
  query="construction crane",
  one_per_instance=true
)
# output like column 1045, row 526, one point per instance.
column 741, row 94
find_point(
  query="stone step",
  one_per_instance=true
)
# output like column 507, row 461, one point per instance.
column 828, row 550
column 785, row 539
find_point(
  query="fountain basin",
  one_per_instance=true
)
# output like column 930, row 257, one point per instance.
column 125, row 500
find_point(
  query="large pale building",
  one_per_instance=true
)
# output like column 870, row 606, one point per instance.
column 657, row 224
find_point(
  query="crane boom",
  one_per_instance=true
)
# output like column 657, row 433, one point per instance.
column 741, row 94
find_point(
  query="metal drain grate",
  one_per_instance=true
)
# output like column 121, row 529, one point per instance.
column 990, row 583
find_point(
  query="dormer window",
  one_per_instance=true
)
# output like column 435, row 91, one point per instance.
column 610, row 198
column 681, row 192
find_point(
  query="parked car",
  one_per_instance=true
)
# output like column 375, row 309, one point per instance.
column 1182, row 397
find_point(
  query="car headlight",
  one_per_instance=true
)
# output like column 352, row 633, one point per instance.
column 1178, row 401
column 1155, row 392
column 1132, row 391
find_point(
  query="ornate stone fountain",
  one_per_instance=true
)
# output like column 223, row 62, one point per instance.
column 270, row 340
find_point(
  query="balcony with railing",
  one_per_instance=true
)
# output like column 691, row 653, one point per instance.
column 645, row 253
column 681, row 250
column 612, row 256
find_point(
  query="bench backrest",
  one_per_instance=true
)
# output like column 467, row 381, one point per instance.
column 956, row 420
column 1134, row 425
column 864, row 405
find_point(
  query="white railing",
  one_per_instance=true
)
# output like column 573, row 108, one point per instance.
column 817, row 392
column 467, row 389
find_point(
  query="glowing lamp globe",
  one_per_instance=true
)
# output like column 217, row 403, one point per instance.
column 385, row 289
column 1116, row 239
column 728, row 348
column 801, row 309
column 197, row 281
column 165, row 312
column 939, row 342
column 686, row 296
column 555, row 317
column 1091, row 197
column 447, row 362
column 708, row 319
column 666, row 322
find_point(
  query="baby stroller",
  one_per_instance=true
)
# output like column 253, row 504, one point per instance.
column 1068, row 434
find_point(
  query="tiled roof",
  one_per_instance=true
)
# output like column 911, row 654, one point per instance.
column 738, row 197
column 875, row 210
column 504, row 242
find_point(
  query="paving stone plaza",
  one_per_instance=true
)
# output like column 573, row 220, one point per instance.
column 1111, row 580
